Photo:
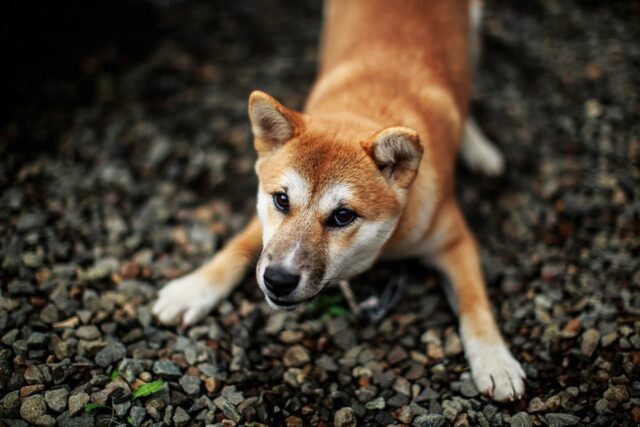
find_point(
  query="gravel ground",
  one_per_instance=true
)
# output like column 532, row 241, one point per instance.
column 133, row 167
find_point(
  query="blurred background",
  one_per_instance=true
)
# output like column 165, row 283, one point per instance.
column 126, row 160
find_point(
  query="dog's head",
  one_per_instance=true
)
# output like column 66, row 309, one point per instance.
column 331, row 191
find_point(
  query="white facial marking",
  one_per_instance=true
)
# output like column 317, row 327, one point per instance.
column 299, row 193
column 298, row 188
column 263, row 205
column 362, row 253
column 333, row 196
column 291, row 256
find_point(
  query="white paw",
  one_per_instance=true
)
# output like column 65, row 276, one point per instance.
column 495, row 371
column 187, row 299
column 480, row 154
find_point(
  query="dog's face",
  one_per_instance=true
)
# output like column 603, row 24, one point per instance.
column 331, row 191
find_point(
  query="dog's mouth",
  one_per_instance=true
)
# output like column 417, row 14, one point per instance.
column 279, row 304
column 286, row 305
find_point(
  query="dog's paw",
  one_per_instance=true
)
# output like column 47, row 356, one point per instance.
column 495, row 371
column 186, row 300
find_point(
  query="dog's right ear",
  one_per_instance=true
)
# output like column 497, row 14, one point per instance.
column 396, row 151
column 272, row 123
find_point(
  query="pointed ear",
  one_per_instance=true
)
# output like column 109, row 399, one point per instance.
column 272, row 123
column 396, row 151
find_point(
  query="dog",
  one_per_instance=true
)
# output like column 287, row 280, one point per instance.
column 367, row 172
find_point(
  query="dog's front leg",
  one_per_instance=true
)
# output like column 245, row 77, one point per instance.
column 190, row 298
column 495, row 371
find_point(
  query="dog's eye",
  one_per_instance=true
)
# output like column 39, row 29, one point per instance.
column 281, row 200
column 341, row 218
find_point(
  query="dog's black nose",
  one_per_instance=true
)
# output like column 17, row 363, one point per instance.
column 279, row 281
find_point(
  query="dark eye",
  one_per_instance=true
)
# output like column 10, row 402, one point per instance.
column 281, row 200
column 341, row 218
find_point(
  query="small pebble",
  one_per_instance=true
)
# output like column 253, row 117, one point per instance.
column 296, row 356
column 33, row 408
column 589, row 342
column 344, row 417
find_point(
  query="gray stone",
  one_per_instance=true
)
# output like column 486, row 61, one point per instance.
column 57, row 399
column 602, row 406
column 166, row 368
column 111, row 354
column 468, row 388
column 77, row 402
column 521, row 419
column 85, row 420
column 345, row 339
column 46, row 421
column 137, row 415
column 130, row 368
column 231, row 412
column 10, row 403
column 10, row 337
column 327, row 363
column 536, row 405
column 404, row 414
column 560, row 420
column 49, row 314
column 30, row 220
column 616, row 393
column 88, row 332
column 19, row 287
column 377, row 403
column 33, row 408
column 37, row 339
column 590, row 339
column 429, row 420
column 180, row 417
column 398, row 400
column 344, row 417
column 33, row 375
column 402, row 385
column 452, row 344
column 366, row 393
column 451, row 409
column 122, row 408
column 231, row 395
column 190, row 384
column 296, row 356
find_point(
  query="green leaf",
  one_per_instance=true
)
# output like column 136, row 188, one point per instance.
column 90, row 407
column 323, row 301
column 338, row 311
column 130, row 420
column 115, row 374
column 147, row 389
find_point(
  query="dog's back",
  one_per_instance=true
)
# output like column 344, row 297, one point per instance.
column 378, row 53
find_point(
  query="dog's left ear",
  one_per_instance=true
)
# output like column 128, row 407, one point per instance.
column 272, row 123
column 396, row 151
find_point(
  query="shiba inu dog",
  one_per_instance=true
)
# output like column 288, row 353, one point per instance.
column 366, row 172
